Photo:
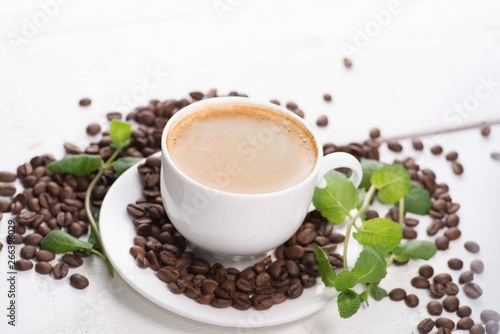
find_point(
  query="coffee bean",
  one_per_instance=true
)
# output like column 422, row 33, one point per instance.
column 222, row 303
column 485, row 130
column 442, row 278
column 434, row 308
column 457, row 168
column 347, row 63
column 242, row 302
column 439, row 205
column 437, row 290
column 394, row 146
column 466, row 276
column 464, row 311
column 487, row 315
column 306, row 236
column 445, row 323
column 477, row 329
column 409, row 233
column 114, row 115
column 435, row 226
column 93, row 129
column 6, row 176
column 85, row 102
column 336, row 238
column 495, row 156
column 426, row 271
column 444, row 330
column 451, row 289
column 465, row 323
column 33, row 239
column 436, row 149
column 411, row 301
column 452, row 208
column 371, row 214
column 72, row 261
column 477, row 266
column 417, row 144
column 60, row 270
column 374, row 133
column 199, row 266
column 4, row 205
column 426, row 326
column 472, row 247
column 455, row 264
column 411, row 222
column 397, row 294
column 442, row 243
column 196, row 95
column 23, row 265
column 492, row 327
column 294, row 252
column 28, row 252
column 294, row 289
column 452, row 156
column 43, row 268
column 7, row 190
column 420, row 282
column 453, row 233
column 451, row 304
column 45, row 255
column 452, row 220
column 322, row 121
column 472, row 290
column 78, row 281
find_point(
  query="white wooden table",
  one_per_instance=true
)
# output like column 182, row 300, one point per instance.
column 427, row 65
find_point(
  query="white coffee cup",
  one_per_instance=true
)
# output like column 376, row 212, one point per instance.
column 230, row 226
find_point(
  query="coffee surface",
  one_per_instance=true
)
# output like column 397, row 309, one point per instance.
column 242, row 149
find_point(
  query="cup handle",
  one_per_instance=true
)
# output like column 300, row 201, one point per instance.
column 338, row 160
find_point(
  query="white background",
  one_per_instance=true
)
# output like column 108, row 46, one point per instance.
column 412, row 75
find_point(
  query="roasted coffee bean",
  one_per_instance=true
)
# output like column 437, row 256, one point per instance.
column 6, row 176
column 452, row 208
column 153, row 260
column 436, row 149
column 85, row 102
column 465, row 323
column 472, row 247
column 452, row 220
column 371, row 214
column 28, row 252
column 60, row 270
column 397, row 294
column 262, row 279
column 426, row 326
column 453, row 233
column 78, row 281
column 199, row 266
column 492, row 327
column 409, row 233
column 435, row 226
column 306, row 236
column 23, row 265
column 327, row 97
column 374, row 133
column 168, row 274
column 439, row 205
column 336, row 238
column 4, row 205
column 196, row 95
column 451, row 289
column 26, row 218
column 262, row 301
column 455, row 264
column 426, row 271
column 444, row 330
column 114, row 115
column 45, row 255
column 451, row 304
column 472, row 290
column 495, row 156
column 434, row 308
column 294, row 252
column 93, row 129
column 464, row 311
column 394, row 146
column 457, row 168
column 442, row 278
column 75, row 229
column 411, row 301
column 477, row 266
column 347, row 63
column 221, row 303
column 142, row 261
column 7, row 190
column 43, row 268
column 477, row 329
column 72, row 261
column 294, row 289
column 242, row 302
column 466, row 276
column 33, row 239
column 452, row 156
column 437, row 290
column 485, row 130
column 487, row 315
column 411, row 222
column 420, row 282
column 136, row 250
column 445, row 323
column 322, row 121
column 417, row 144
column 442, row 243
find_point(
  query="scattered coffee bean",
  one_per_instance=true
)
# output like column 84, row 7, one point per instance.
column 466, row 276
column 426, row 326
column 492, row 327
column 451, row 304
column 6, row 176
column 347, row 63
column 78, row 281
column 417, row 144
column 445, row 323
column 72, row 261
column 85, row 102
column 426, row 271
column 472, row 247
column 485, row 130
column 420, row 282
column 43, row 268
column 196, row 95
column 7, row 190
column 374, row 133
column 453, row 233
column 436, row 149
column 487, row 315
column 477, row 329
column 93, row 129
column 23, row 265
column 45, row 255
column 411, row 301
column 442, row 278
column 322, row 121
column 444, row 330
column 452, row 156
column 455, row 264
column 434, row 308
column 394, row 146
column 465, row 323
column 495, row 156
column 477, row 266
column 28, row 252
column 397, row 294
column 464, row 311
column 472, row 290
column 442, row 243
column 327, row 97
column 458, row 168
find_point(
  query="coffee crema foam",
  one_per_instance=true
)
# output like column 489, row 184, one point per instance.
column 242, row 149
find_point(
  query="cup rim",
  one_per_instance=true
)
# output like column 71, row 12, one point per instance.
column 196, row 106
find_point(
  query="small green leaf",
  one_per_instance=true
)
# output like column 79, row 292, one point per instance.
column 79, row 165
column 370, row 267
column 58, row 241
column 122, row 164
column 120, row 133
column 369, row 167
column 381, row 234
column 377, row 292
column 361, row 197
column 326, row 272
column 392, row 182
column 417, row 200
column 345, row 280
column 337, row 199
column 348, row 303
column 418, row 249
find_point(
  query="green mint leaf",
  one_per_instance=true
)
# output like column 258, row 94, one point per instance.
column 79, row 165
column 392, row 182
column 58, row 241
column 337, row 199
column 418, row 249
column 120, row 133
column 417, row 200
column 369, row 167
column 361, row 197
column 348, row 303
column 345, row 280
column 326, row 272
column 370, row 267
column 381, row 234
column 122, row 164
column 377, row 292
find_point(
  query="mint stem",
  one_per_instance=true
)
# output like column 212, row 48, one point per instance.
column 401, row 211
column 90, row 217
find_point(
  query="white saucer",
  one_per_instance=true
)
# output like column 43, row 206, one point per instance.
column 118, row 231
